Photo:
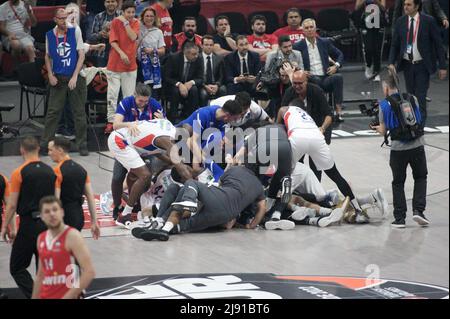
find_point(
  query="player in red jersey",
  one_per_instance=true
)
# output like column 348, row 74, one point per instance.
column 62, row 253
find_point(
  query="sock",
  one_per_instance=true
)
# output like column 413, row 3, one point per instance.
column 127, row 210
column 168, row 226
column 325, row 211
column 355, row 204
column 276, row 215
column 366, row 200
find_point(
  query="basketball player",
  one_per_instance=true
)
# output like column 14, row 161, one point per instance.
column 62, row 252
column 144, row 138
column 306, row 138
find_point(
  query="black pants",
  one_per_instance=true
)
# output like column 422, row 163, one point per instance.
column 205, row 97
column 74, row 216
column 284, row 167
column 190, row 103
column 331, row 83
column 399, row 161
column 23, row 249
column 417, row 79
column 372, row 48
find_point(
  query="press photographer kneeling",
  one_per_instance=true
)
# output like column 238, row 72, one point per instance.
column 400, row 119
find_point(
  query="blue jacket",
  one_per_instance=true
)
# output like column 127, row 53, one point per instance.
column 326, row 50
column 429, row 43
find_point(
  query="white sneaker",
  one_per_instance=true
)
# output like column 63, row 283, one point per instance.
column 380, row 201
column 368, row 73
column 186, row 205
column 377, row 78
column 301, row 214
column 279, row 224
column 336, row 215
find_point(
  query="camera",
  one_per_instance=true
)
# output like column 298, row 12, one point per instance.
column 372, row 111
column 269, row 78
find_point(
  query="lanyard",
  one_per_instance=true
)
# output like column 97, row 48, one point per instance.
column 57, row 38
column 415, row 30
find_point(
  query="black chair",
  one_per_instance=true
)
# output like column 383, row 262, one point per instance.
column 336, row 23
column 32, row 82
column 96, row 96
column 307, row 14
column 272, row 20
column 39, row 32
column 238, row 22
column 202, row 25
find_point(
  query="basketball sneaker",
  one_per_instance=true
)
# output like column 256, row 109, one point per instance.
column 153, row 234
column 279, row 224
column 335, row 216
column 124, row 220
column 380, row 201
column 420, row 218
column 185, row 206
column 286, row 192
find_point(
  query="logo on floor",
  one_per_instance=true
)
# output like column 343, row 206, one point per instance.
column 259, row 286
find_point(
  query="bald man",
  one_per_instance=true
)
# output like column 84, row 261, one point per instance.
column 313, row 98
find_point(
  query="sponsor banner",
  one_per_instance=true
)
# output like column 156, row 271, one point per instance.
column 259, row 286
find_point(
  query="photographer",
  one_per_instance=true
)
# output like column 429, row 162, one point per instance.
column 284, row 53
column 407, row 148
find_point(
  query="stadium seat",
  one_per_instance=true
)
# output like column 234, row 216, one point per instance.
column 238, row 22
column 32, row 81
column 272, row 20
column 307, row 14
column 202, row 25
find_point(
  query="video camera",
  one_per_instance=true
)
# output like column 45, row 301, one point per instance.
column 269, row 78
column 372, row 111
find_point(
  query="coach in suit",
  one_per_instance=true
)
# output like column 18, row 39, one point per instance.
column 213, row 72
column 316, row 53
column 416, row 45
column 241, row 68
column 183, row 78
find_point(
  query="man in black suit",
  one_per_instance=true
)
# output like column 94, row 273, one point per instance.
column 430, row 7
column 183, row 76
column 214, row 73
column 316, row 54
column 241, row 68
column 415, row 43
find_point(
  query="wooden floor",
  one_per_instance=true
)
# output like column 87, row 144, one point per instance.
column 412, row 254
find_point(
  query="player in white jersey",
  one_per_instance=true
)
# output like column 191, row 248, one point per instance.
column 144, row 138
column 306, row 138
column 252, row 111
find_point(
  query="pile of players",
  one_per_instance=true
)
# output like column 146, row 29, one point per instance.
column 227, row 165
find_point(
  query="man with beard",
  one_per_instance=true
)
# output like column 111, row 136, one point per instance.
column 261, row 42
column 188, row 34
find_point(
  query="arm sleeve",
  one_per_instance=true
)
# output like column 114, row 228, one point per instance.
column 59, row 177
column 16, row 181
column 121, row 108
column 79, row 38
column 114, row 32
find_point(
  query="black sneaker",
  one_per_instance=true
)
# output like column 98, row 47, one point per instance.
column 124, row 220
column 338, row 118
column 137, row 231
column 398, row 223
column 420, row 219
column 286, row 191
column 185, row 206
column 152, row 234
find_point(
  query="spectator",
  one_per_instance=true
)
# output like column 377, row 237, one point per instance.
column 162, row 12
column 414, row 52
column 316, row 53
column 16, row 20
column 151, row 41
column 100, row 31
column 261, row 42
column 214, row 72
column 181, row 9
column 372, row 37
column 183, row 76
column 284, row 53
column 294, row 26
column 64, row 59
column 188, row 34
column 224, row 42
column 122, row 66
column 241, row 68
column 277, row 92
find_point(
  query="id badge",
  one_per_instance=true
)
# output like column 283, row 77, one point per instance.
column 409, row 49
